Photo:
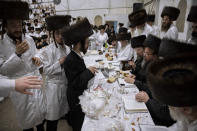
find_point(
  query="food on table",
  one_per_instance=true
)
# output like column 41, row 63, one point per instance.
column 101, row 63
column 111, row 79
column 133, row 129
column 133, row 123
column 107, row 54
column 109, row 58
column 100, row 52
column 125, row 74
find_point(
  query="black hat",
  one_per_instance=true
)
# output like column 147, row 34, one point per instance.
column 38, row 29
column 77, row 32
column 57, row 22
column 170, row 11
column 138, row 41
column 28, row 24
column 69, row 17
column 123, row 34
column 192, row 16
column 101, row 27
column 152, row 42
column 150, row 18
column 14, row 10
column 36, row 20
column 111, row 39
column 30, row 28
column 138, row 17
column 121, row 24
column 44, row 36
column 138, row 6
column 171, row 48
column 172, row 81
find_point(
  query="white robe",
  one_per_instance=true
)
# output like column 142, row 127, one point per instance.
column 125, row 53
column 30, row 110
column 172, row 33
column 56, row 81
column 92, row 39
column 101, row 39
column 6, row 86
column 147, row 30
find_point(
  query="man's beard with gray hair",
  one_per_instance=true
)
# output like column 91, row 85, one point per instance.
column 165, row 27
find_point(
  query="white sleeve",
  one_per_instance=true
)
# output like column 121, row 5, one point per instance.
column 9, row 64
column 172, row 34
column 6, row 86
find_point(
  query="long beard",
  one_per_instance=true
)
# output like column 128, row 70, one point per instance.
column 165, row 27
column 15, row 38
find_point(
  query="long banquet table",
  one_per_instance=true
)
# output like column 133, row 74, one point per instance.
column 128, row 121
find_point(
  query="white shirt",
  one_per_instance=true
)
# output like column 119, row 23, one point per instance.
column 125, row 53
column 101, row 39
column 172, row 33
column 147, row 30
column 6, row 86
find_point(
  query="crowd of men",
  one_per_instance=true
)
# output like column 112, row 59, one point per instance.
column 163, row 68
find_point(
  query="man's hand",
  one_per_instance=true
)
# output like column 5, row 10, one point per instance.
column 36, row 61
column 93, row 69
column 28, row 82
column 142, row 97
column 131, row 63
column 21, row 47
column 61, row 60
column 129, row 80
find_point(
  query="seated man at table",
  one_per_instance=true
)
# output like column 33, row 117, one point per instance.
column 124, row 52
column 137, row 45
column 151, row 45
column 159, row 112
column 172, row 82
column 75, row 69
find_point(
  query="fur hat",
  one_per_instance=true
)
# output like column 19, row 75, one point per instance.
column 57, row 22
column 138, row 17
column 138, row 41
column 121, row 24
column 14, row 10
column 111, row 38
column 138, row 6
column 171, row 48
column 101, row 27
column 152, row 42
column 123, row 34
column 192, row 16
column 150, row 18
column 77, row 32
column 172, row 81
column 170, row 11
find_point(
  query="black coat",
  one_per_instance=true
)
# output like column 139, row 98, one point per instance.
column 78, row 76
column 159, row 112
column 138, row 67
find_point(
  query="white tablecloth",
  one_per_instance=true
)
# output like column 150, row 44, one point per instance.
column 131, row 121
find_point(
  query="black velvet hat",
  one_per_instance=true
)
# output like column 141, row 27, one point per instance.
column 121, row 24
column 57, row 22
column 152, row 42
column 77, row 32
column 170, row 11
column 150, row 18
column 192, row 16
column 123, row 34
column 138, row 41
column 172, row 81
column 171, row 48
column 138, row 17
column 14, row 10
